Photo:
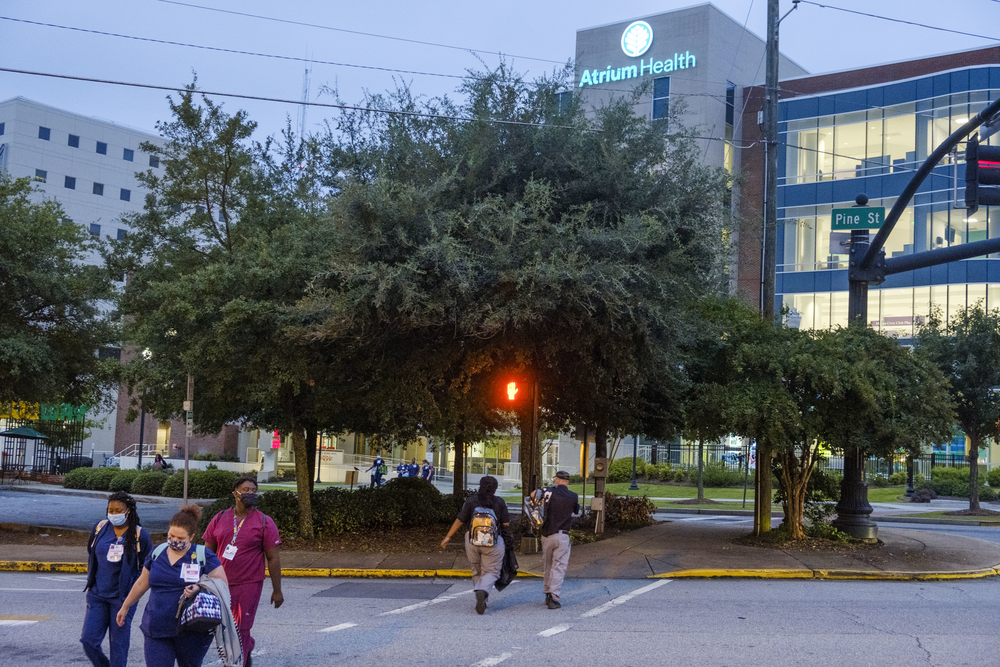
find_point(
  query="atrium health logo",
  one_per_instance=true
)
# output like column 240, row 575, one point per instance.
column 637, row 39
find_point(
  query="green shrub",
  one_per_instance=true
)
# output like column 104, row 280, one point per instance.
column 213, row 483
column 879, row 481
column 717, row 474
column 220, row 505
column 208, row 456
column 230, row 457
column 948, row 481
column 173, row 487
column 620, row 470
column 897, row 478
column 101, row 478
column 628, row 512
column 993, row 477
column 680, row 474
column 78, row 478
column 123, row 481
column 988, row 494
column 819, row 526
column 576, row 479
column 149, row 483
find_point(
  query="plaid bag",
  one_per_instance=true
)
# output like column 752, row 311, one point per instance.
column 201, row 612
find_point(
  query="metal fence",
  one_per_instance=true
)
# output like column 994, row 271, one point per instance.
column 64, row 446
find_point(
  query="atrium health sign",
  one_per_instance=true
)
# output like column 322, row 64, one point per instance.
column 636, row 41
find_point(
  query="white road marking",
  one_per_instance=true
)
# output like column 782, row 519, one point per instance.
column 700, row 518
column 427, row 603
column 42, row 590
column 622, row 599
column 334, row 628
column 10, row 623
column 72, row 580
column 495, row 660
column 555, row 630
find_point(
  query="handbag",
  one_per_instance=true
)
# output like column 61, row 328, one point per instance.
column 508, row 569
column 200, row 613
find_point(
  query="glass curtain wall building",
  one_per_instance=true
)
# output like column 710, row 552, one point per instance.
column 870, row 140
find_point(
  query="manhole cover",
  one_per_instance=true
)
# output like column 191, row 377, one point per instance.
column 384, row 590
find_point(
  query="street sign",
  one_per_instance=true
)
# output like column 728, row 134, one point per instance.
column 190, row 424
column 860, row 217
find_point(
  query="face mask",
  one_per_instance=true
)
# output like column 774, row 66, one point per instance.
column 117, row 519
column 177, row 545
column 248, row 499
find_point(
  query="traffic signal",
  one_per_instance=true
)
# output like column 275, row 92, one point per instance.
column 512, row 393
column 982, row 168
column 512, row 390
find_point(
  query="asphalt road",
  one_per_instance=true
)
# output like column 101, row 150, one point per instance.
column 75, row 512
column 602, row 622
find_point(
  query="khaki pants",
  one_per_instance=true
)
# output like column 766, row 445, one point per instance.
column 555, row 556
column 486, row 563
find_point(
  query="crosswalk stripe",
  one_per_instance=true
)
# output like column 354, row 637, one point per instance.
column 342, row 626
column 622, row 599
column 555, row 630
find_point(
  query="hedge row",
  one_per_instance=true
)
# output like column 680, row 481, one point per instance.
column 948, row 481
column 201, row 483
column 401, row 503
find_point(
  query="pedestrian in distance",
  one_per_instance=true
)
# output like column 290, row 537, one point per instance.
column 378, row 469
column 427, row 471
column 252, row 542
column 116, row 550
column 170, row 571
column 489, row 530
column 402, row 470
column 560, row 506
column 413, row 470
column 158, row 463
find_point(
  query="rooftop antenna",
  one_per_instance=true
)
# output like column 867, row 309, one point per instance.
column 304, row 106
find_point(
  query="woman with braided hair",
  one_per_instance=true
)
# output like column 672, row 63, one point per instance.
column 116, row 550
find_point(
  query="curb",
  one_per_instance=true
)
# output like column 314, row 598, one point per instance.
column 341, row 572
column 939, row 522
column 826, row 574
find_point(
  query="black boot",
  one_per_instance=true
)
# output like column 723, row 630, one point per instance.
column 481, row 602
column 551, row 602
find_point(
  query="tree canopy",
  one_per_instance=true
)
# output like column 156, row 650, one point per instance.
column 52, row 326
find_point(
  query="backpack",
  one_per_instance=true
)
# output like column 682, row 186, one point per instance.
column 199, row 552
column 484, row 528
column 534, row 508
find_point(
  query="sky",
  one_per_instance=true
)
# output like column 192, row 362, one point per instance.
column 436, row 42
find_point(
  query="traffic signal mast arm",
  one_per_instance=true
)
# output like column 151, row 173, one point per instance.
column 911, row 188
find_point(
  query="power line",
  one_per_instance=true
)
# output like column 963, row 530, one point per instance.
column 886, row 18
column 353, row 32
column 222, row 50
column 258, row 98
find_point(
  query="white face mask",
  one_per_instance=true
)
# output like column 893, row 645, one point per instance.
column 117, row 519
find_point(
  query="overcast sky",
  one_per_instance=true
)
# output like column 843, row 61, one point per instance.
column 535, row 36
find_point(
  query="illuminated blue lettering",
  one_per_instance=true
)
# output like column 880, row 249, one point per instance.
column 630, row 72
column 585, row 79
column 644, row 68
column 668, row 65
column 689, row 59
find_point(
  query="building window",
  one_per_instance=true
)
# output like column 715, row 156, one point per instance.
column 154, row 162
column 661, row 97
column 95, row 229
column 126, row 195
column 44, row 133
column 41, row 175
column 2, row 128
column 74, row 141
column 128, row 154
column 70, row 183
column 99, row 189
column 102, row 148
column 563, row 101
column 122, row 233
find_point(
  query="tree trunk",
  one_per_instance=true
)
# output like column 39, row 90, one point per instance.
column 973, row 458
column 458, row 483
column 528, row 453
column 701, row 470
column 302, row 480
column 762, row 490
column 311, row 435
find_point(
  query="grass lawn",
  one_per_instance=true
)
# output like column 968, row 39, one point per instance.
column 667, row 491
column 889, row 494
column 945, row 515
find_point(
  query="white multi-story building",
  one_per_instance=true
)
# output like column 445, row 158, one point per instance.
column 86, row 164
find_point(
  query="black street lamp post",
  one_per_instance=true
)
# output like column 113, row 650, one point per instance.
column 635, row 448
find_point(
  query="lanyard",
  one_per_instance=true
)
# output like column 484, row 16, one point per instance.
column 236, row 529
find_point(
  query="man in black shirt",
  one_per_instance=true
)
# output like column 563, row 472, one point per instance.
column 560, row 506
column 486, row 560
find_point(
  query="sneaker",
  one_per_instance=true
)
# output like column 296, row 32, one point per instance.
column 548, row 598
column 481, row 602
column 552, row 603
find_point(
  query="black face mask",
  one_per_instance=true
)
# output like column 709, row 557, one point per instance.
column 248, row 499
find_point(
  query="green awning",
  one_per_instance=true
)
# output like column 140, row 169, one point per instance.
column 25, row 433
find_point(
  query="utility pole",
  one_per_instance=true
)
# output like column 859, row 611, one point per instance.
column 188, row 430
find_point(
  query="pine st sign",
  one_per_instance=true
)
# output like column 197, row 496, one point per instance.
column 636, row 42
column 844, row 219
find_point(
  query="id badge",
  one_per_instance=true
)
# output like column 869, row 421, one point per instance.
column 191, row 572
column 230, row 552
column 115, row 552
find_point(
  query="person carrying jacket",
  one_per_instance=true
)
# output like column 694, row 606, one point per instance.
column 560, row 506
column 116, row 550
column 169, row 573
column 486, row 560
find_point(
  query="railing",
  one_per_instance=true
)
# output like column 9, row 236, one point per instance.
column 149, row 449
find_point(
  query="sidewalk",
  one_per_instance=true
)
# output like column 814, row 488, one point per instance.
column 667, row 549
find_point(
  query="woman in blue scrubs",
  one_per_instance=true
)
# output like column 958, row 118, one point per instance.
column 174, row 572
column 117, row 548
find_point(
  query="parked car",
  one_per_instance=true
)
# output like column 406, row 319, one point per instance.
column 66, row 463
